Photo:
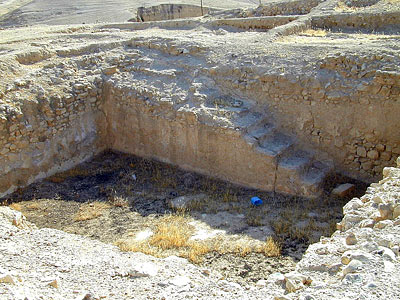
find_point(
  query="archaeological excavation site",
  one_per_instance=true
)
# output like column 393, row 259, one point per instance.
column 196, row 150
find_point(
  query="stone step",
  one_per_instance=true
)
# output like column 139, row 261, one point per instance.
column 290, row 169
column 254, row 136
column 249, row 121
column 276, row 144
column 313, row 180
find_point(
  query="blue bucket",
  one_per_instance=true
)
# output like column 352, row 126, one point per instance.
column 256, row 201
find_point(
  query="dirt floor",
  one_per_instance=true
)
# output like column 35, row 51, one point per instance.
column 158, row 209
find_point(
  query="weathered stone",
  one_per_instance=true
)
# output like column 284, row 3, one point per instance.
column 54, row 284
column 367, row 223
column 357, row 255
column 110, row 70
column 383, row 224
column 351, row 239
column 373, row 154
column 343, row 190
column 143, row 270
column 386, row 211
column 353, row 267
column 7, row 279
column 396, row 211
column 361, row 152
column 380, row 147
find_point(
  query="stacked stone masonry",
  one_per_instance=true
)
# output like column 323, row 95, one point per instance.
column 246, row 118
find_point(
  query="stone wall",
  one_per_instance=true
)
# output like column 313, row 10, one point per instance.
column 383, row 21
column 353, row 119
column 283, row 7
column 51, row 132
column 180, row 138
column 342, row 106
column 170, row 12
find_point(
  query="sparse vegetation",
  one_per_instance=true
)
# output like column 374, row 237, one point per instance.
column 90, row 211
column 125, row 205
column 173, row 232
column 74, row 172
column 314, row 33
column 16, row 206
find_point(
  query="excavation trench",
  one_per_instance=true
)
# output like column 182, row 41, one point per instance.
column 137, row 205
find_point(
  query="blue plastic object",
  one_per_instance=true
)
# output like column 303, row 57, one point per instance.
column 256, row 201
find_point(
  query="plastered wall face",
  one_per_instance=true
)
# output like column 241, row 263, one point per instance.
column 180, row 139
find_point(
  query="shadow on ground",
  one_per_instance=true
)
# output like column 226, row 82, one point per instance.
column 128, row 196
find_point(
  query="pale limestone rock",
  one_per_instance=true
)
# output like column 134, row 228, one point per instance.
column 353, row 267
column 184, row 202
column 388, row 254
column 261, row 283
column 343, row 190
column 351, row 239
column 386, row 211
column 7, row 279
column 388, row 266
column 143, row 270
column 295, row 281
column 276, row 278
column 180, row 281
column 383, row 224
column 357, row 255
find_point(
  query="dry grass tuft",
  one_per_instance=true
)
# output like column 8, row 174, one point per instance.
column 61, row 177
column 271, row 248
column 172, row 232
column 16, row 206
column 34, row 206
column 116, row 200
column 90, row 211
column 172, row 237
column 229, row 196
column 119, row 202
column 314, row 33
column 163, row 181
